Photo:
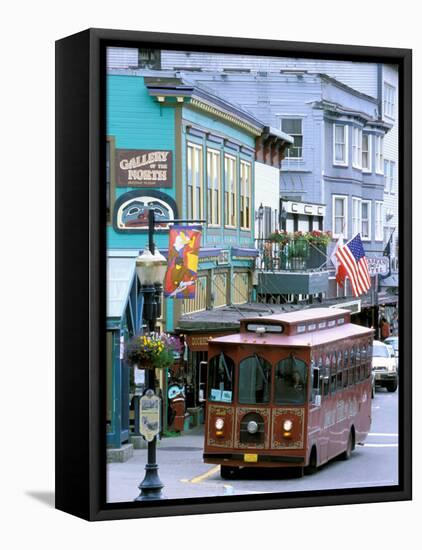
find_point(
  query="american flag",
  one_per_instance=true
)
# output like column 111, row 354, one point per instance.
column 352, row 257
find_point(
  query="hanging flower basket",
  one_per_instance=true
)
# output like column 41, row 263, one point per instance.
column 152, row 352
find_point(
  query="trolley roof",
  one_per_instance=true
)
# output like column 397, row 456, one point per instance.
column 311, row 327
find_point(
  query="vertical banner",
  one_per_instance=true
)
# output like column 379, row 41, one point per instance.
column 182, row 270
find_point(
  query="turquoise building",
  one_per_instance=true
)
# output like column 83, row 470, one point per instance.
column 178, row 148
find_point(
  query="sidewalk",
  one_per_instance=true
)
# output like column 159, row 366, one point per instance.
column 180, row 462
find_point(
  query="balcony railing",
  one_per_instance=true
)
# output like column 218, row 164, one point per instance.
column 292, row 255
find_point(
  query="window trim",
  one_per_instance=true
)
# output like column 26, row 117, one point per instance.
column 357, row 147
column 369, row 203
column 369, row 169
column 379, row 156
column 293, row 117
column 389, row 114
column 345, row 199
column 379, row 237
column 216, row 152
column 357, row 200
column 248, row 165
column 346, row 145
column 226, row 213
column 195, row 215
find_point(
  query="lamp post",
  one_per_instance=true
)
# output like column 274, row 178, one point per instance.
column 150, row 268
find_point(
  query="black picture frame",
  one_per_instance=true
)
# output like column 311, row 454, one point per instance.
column 81, row 277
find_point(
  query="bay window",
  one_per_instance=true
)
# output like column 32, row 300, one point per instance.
column 366, row 220
column 366, row 153
column 245, row 195
column 339, row 216
column 195, row 182
column 357, row 148
column 356, row 216
column 230, row 191
column 213, row 187
column 379, row 221
column 379, row 155
column 340, row 141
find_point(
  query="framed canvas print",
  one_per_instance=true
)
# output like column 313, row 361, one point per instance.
column 233, row 274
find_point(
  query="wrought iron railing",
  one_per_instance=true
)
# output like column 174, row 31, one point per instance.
column 292, row 255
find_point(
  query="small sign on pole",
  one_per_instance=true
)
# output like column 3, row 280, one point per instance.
column 149, row 415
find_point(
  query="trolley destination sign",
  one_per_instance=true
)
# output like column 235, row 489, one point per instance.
column 143, row 168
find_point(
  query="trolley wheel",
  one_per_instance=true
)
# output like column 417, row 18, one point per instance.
column 312, row 467
column 392, row 387
column 229, row 472
column 350, row 446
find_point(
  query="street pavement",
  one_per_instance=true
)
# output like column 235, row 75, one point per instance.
column 184, row 474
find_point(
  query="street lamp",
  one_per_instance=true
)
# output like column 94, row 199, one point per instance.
column 150, row 269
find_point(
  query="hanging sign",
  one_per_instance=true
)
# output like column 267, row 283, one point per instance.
column 182, row 270
column 143, row 168
column 149, row 415
column 379, row 264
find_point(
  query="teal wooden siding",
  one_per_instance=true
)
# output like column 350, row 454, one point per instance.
column 219, row 236
column 137, row 121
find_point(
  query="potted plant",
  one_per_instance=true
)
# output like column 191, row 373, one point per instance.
column 156, row 351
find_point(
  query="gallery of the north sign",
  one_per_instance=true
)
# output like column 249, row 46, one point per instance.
column 143, row 168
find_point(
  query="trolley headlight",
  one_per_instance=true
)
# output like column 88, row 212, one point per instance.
column 219, row 424
column 287, row 425
column 252, row 427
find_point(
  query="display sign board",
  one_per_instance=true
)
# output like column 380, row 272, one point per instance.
column 143, row 168
column 149, row 415
column 379, row 264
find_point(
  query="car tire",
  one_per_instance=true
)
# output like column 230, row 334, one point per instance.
column 350, row 446
column 312, row 467
column 392, row 387
column 229, row 472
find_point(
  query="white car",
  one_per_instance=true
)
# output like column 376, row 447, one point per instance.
column 384, row 366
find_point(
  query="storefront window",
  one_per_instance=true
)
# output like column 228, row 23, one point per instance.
column 290, row 383
column 220, row 378
column 254, row 380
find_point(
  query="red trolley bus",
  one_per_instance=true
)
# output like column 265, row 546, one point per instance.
column 288, row 390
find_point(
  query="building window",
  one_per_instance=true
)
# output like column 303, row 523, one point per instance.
column 293, row 127
column 379, row 154
column 340, row 141
column 230, row 191
column 245, row 195
column 356, row 215
column 389, row 100
column 220, row 289
column 378, row 221
column 199, row 303
column 214, row 187
column 366, row 153
column 357, row 148
column 195, row 182
column 339, row 216
column 389, row 176
column 366, row 220
column 240, row 287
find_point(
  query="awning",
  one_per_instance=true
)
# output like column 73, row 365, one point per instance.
column 120, row 278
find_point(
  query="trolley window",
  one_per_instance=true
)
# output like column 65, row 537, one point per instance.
column 291, row 377
column 220, row 381
column 254, row 380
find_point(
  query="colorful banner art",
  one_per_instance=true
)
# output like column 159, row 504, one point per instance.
column 182, row 270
